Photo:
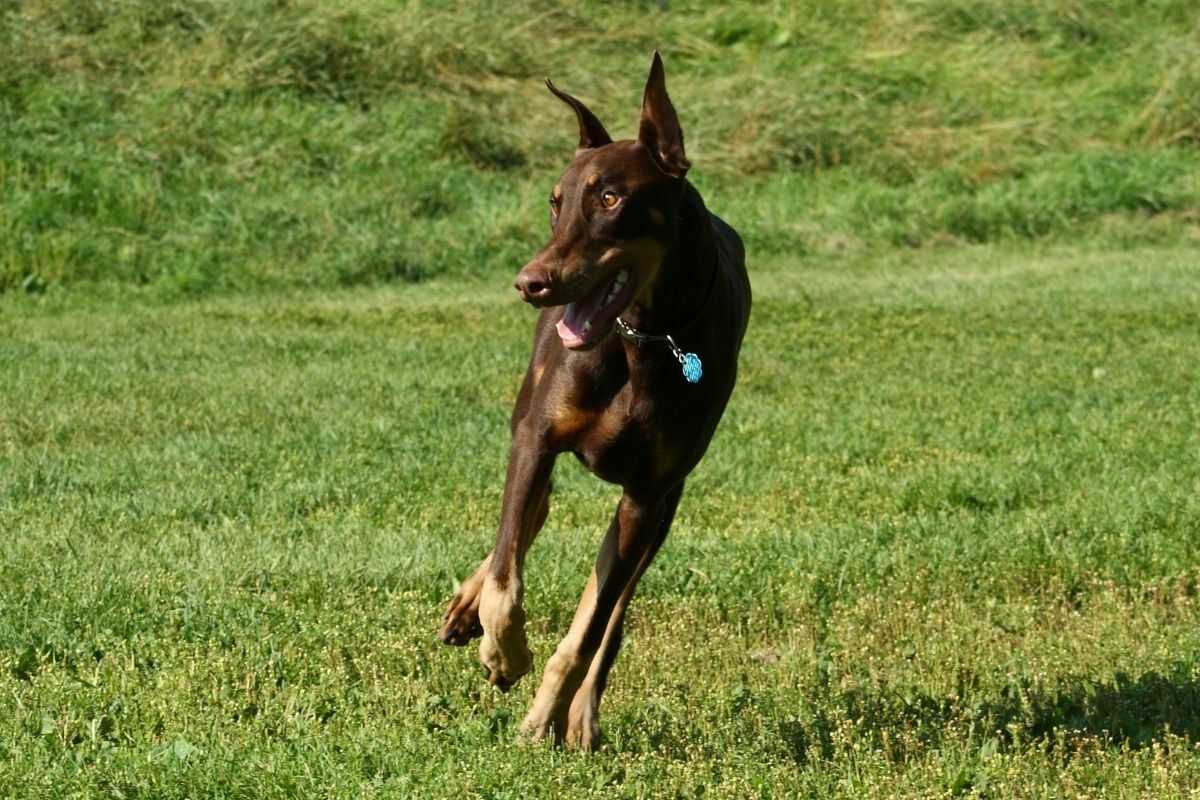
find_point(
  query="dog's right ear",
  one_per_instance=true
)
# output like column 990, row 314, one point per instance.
column 591, row 132
column 659, row 129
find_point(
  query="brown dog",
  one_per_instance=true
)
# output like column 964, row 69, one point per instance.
column 636, row 272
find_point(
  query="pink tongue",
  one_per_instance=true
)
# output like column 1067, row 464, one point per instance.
column 580, row 313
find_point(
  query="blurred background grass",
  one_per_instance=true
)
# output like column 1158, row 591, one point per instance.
column 201, row 146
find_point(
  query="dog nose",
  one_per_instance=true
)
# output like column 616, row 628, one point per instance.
column 533, row 283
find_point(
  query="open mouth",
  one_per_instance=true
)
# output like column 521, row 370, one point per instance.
column 590, row 318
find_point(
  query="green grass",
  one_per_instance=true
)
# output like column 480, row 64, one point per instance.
column 202, row 146
column 258, row 349
column 944, row 542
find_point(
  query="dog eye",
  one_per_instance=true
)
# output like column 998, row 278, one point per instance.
column 609, row 199
column 554, row 205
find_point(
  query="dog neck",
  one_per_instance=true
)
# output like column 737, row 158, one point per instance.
column 686, row 279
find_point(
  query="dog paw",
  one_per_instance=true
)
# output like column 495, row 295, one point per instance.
column 460, row 623
column 541, row 724
column 580, row 731
column 583, row 728
column 504, row 661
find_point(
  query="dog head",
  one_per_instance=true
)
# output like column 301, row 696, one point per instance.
column 613, row 216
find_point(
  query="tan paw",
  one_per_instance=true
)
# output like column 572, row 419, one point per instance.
column 505, row 660
column 539, row 725
column 583, row 728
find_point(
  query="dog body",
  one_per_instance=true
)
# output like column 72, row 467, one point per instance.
column 636, row 272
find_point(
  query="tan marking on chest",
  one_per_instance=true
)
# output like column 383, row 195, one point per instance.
column 572, row 426
column 568, row 421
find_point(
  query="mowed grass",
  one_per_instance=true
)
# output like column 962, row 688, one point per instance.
column 258, row 350
column 945, row 543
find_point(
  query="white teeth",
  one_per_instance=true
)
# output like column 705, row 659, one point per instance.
column 587, row 327
column 617, row 284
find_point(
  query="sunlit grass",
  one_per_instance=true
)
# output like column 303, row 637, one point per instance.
column 944, row 543
column 200, row 146
column 258, row 350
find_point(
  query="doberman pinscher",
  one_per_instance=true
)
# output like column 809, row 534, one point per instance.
column 644, row 300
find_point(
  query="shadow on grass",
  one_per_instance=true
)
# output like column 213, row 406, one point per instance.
column 1128, row 711
column 1122, row 712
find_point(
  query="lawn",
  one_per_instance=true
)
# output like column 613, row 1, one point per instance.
column 945, row 542
column 258, row 347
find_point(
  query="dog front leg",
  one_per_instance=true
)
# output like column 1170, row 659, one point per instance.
column 633, row 538
column 583, row 726
column 460, row 623
column 503, row 649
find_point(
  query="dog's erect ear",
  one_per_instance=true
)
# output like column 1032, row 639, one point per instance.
column 659, row 129
column 591, row 132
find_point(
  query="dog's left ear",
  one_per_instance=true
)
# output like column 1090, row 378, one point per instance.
column 591, row 132
column 659, row 129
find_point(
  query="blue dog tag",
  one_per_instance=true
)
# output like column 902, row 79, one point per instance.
column 692, row 368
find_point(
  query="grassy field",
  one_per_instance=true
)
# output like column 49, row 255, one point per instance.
column 258, row 347
column 944, row 543
column 194, row 145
